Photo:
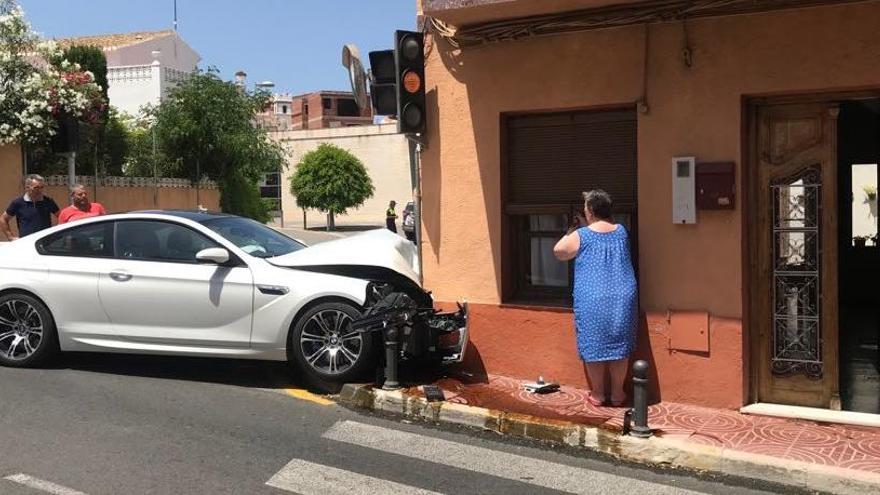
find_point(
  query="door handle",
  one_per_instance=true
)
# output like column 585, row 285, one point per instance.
column 120, row 276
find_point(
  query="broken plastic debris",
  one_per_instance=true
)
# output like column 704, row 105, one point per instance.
column 433, row 393
column 540, row 386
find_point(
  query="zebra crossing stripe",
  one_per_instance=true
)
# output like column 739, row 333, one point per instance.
column 513, row 467
column 42, row 485
column 309, row 478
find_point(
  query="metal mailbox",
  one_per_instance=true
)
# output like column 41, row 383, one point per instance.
column 716, row 186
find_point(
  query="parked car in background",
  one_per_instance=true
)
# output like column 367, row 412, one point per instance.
column 409, row 221
column 193, row 283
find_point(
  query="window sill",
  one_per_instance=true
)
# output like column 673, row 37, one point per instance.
column 551, row 306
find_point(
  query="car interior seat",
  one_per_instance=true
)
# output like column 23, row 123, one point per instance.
column 139, row 243
column 180, row 246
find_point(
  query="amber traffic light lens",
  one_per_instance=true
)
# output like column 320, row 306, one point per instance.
column 412, row 82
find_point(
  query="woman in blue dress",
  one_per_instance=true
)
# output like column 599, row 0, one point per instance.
column 605, row 296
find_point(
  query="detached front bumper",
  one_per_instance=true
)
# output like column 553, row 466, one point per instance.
column 453, row 345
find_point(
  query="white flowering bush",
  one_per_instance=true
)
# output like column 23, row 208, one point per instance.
column 38, row 87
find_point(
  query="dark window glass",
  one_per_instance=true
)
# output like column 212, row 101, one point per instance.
column 327, row 103
column 346, row 107
column 88, row 241
column 253, row 237
column 159, row 241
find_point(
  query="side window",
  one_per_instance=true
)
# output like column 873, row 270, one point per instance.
column 89, row 241
column 159, row 241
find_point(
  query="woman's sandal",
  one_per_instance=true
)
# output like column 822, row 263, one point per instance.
column 594, row 401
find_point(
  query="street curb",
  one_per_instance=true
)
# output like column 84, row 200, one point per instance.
column 654, row 450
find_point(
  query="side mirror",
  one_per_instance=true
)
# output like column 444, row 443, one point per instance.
column 217, row 256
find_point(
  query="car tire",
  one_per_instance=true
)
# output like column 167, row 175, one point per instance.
column 326, row 351
column 28, row 336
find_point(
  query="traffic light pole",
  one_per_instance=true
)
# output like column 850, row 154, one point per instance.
column 415, row 148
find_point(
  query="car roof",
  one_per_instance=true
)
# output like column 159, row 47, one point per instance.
column 194, row 215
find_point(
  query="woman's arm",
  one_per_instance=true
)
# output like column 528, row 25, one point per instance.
column 567, row 247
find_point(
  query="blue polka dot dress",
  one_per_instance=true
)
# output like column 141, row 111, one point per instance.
column 605, row 296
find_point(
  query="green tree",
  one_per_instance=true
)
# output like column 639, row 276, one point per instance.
column 90, row 58
column 205, row 129
column 101, row 144
column 332, row 180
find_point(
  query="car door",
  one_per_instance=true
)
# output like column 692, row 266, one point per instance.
column 157, row 292
column 73, row 258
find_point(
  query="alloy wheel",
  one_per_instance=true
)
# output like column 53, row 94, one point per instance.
column 329, row 344
column 21, row 329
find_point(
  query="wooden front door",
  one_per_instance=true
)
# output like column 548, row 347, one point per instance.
column 793, row 234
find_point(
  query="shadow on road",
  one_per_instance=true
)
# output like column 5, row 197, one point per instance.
column 241, row 373
column 235, row 372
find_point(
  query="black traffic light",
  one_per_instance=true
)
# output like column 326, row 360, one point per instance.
column 66, row 138
column 397, row 81
column 409, row 60
column 383, row 82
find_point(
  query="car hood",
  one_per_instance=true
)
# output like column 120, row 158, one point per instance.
column 365, row 255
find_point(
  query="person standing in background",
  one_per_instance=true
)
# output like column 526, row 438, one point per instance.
column 82, row 207
column 33, row 211
column 391, row 217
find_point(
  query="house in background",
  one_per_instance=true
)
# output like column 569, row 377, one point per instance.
column 317, row 110
column 323, row 109
column 278, row 114
column 141, row 66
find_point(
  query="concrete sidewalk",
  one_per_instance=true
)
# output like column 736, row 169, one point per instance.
column 813, row 456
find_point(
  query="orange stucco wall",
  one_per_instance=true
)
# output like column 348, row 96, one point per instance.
column 10, row 174
column 692, row 111
column 118, row 199
column 502, row 336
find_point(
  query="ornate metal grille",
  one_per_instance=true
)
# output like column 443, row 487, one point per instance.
column 797, row 290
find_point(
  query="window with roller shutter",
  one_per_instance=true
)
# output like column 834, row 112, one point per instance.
column 548, row 160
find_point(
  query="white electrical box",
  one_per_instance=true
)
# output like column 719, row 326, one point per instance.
column 684, row 190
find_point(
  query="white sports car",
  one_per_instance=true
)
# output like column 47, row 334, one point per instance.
column 209, row 284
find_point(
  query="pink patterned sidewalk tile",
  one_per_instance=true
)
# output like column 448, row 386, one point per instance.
column 842, row 446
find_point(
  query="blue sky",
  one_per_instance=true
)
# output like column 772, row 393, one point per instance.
column 295, row 43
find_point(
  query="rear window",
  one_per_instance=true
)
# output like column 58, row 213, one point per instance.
column 94, row 240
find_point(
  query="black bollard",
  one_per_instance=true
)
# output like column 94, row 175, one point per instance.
column 640, row 400
column 392, row 347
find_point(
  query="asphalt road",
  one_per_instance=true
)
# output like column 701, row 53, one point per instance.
column 114, row 424
column 316, row 236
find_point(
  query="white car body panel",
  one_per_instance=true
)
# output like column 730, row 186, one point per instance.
column 218, row 302
column 378, row 248
column 231, row 317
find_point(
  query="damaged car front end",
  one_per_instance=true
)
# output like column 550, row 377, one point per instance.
column 396, row 313
column 410, row 329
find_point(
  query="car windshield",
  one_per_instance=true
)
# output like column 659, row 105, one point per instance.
column 253, row 237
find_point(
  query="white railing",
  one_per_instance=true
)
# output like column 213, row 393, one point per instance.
column 88, row 180
column 129, row 73
column 174, row 75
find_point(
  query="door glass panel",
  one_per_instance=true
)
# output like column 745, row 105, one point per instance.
column 159, row 241
column 91, row 241
column 864, row 204
column 797, row 292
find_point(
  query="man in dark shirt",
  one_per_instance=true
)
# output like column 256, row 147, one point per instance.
column 33, row 212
